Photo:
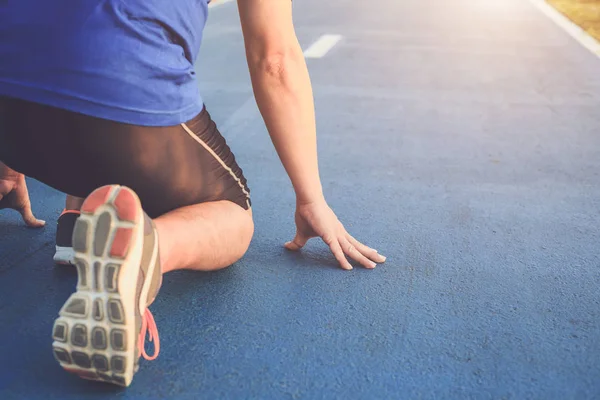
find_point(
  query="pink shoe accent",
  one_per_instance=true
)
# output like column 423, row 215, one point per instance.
column 121, row 242
column 65, row 211
column 126, row 206
column 148, row 325
column 97, row 198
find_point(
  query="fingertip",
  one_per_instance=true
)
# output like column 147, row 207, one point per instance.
column 378, row 258
column 291, row 246
column 33, row 222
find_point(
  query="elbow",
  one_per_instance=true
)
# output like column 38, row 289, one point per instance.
column 276, row 66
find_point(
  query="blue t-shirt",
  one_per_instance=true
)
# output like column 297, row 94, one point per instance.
column 130, row 61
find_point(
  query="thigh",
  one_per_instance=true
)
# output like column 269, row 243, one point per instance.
column 169, row 167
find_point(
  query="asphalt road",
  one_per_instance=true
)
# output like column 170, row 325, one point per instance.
column 461, row 138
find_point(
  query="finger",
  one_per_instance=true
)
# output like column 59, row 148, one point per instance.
column 337, row 251
column 298, row 242
column 367, row 251
column 356, row 255
column 30, row 219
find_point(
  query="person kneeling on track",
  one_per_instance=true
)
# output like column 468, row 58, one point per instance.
column 99, row 100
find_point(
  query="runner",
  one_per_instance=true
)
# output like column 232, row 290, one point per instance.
column 99, row 99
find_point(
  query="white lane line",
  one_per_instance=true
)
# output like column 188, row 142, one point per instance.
column 565, row 23
column 217, row 3
column 322, row 46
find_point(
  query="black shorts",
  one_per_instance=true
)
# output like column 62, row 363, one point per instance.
column 168, row 167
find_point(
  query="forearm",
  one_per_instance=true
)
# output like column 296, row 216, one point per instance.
column 283, row 93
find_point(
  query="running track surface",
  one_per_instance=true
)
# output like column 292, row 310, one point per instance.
column 460, row 138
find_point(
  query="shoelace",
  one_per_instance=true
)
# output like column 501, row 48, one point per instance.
column 148, row 325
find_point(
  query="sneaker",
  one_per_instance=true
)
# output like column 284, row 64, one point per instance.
column 101, row 329
column 64, row 236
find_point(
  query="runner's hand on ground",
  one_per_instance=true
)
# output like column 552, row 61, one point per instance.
column 318, row 220
column 14, row 194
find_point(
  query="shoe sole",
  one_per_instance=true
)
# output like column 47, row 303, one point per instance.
column 64, row 256
column 95, row 335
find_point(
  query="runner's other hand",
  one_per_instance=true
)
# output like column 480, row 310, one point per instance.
column 318, row 220
column 14, row 194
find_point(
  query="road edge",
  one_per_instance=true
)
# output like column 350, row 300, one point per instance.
column 574, row 30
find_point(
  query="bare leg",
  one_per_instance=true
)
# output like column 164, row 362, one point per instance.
column 204, row 237
column 73, row 203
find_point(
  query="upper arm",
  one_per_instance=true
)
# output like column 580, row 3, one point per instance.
column 268, row 28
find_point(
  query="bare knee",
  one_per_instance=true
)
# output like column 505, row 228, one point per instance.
column 246, row 232
column 237, row 242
